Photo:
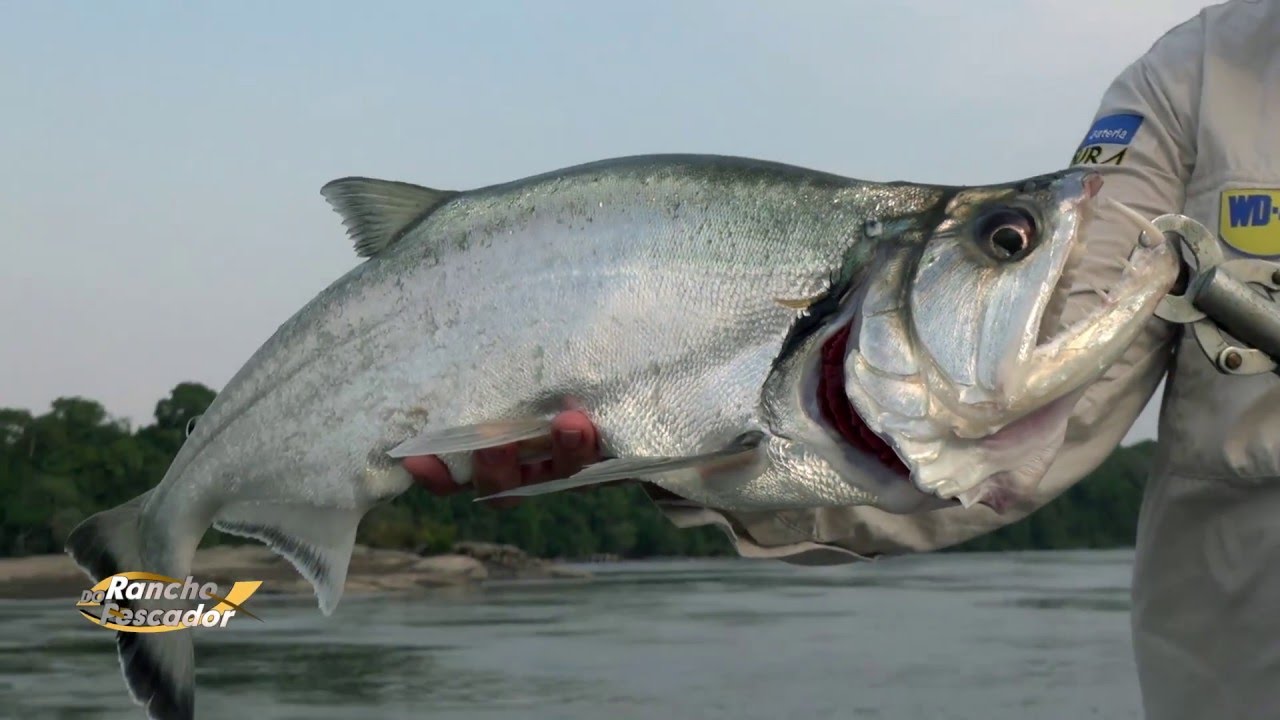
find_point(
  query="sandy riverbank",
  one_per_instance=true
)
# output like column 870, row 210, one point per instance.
column 372, row 570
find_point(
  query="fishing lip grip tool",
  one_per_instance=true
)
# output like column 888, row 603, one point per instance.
column 1229, row 304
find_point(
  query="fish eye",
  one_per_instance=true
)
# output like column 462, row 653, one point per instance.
column 1007, row 234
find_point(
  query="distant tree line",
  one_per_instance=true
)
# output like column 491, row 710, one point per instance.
column 59, row 467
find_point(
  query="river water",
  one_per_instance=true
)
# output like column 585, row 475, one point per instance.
column 981, row 637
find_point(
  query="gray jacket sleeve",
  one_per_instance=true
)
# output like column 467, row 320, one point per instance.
column 1145, row 165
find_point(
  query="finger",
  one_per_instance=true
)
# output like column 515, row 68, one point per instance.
column 496, row 470
column 536, row 472
column 432, row 474
column 534, row 450
column 574, row 443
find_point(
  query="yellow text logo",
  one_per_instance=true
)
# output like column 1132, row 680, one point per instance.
column 1249, row 220
column 145, row 602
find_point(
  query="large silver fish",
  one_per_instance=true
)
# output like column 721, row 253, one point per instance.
column 745, row 334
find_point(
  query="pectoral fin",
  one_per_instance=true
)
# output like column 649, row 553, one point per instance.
column 472, row 437
column 742, row 452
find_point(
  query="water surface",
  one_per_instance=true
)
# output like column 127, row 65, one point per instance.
column 981, row 637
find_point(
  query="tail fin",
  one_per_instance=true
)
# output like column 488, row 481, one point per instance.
column 159, row 668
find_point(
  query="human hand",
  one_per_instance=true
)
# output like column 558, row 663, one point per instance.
column 573, row 444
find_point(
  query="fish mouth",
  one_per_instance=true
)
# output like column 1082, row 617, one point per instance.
column 1064, row 358
column 843, row 420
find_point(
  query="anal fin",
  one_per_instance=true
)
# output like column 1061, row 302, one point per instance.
column 473, row 437
column 740, row 453
column 317, row 541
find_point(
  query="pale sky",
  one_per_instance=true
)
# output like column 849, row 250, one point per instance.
column 160, row 163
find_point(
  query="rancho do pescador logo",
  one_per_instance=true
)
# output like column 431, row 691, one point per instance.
column 143, row 602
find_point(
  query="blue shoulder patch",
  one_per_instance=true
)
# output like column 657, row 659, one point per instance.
column 1118, row 129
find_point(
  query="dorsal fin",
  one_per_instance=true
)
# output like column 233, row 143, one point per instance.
column 378, row 212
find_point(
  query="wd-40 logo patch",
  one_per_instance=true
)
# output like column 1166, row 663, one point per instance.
column 1108, row 140
column 1249, row 220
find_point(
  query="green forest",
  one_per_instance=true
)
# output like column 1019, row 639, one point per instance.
column 61, row 466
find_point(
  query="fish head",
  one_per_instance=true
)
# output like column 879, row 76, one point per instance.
column 976, row 295
column 957, row 371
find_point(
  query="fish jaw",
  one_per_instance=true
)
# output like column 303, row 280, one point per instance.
column 984, row 424
column 975, row 320
column 1026, row 429
column 1078, row 354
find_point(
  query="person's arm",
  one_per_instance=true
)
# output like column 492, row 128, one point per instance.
column 1149, row 174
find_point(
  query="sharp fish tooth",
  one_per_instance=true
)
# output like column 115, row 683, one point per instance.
column 970, row 497
column 1151, row 235
column 922, row 451
column 944, row 488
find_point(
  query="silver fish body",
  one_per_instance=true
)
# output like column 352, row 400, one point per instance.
column 703, row 310
column 644, row 290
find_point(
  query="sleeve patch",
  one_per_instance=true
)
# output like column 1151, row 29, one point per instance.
column 1117, row 129
column 1107, row 140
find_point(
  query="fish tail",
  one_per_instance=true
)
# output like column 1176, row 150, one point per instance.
column 158, row 667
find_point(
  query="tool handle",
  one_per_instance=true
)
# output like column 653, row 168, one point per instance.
column 1238, row 309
